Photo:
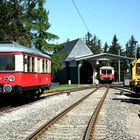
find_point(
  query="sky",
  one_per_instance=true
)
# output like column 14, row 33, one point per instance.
column 104, row 18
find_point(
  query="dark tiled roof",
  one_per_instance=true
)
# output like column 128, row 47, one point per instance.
column 74, row 49
column 68, row 46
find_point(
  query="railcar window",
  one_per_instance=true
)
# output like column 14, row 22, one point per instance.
column 138, row 68
column 33, row 64
column 28, row 64
column 109, row 71
column 43, row 70
column 38, row 65
column 49, row 66
column 46, row 66
column 25, row 63
column 7, row 62
column 103, row 71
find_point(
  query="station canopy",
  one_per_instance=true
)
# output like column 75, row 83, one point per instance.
column 77, row 50
column 102, row 56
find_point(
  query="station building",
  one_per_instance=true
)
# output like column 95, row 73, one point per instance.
column 80, row 63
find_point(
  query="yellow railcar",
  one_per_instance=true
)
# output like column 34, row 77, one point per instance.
column 135, row 81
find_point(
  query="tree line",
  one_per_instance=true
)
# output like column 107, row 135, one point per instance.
column 114, row 48
column 27, row 22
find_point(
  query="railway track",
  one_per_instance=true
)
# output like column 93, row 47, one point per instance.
column 122, row 89
column 9, row 107
column 70, row 126
column 19, row 102
column 90, row 129
column 77, row 121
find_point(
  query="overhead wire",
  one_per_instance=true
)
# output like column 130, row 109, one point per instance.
column 80, row 16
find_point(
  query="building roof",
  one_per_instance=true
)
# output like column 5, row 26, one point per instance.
column 75, row 49
column 70, row 45
column 15, row 47
column 104, row 56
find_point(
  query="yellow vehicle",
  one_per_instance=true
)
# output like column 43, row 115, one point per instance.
column 135, row 81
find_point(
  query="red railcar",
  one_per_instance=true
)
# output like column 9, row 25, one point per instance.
column 23, row 69
column 106, row 74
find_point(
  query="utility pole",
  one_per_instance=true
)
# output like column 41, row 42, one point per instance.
column 119, row 65
column 136, row 49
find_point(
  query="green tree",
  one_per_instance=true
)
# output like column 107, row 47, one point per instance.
column 88, row 38
column 105, row 48
column 94, row 43
column 57, row 60
column 3, row 19
column 131, row 47
column 40, row 26
column 114, row 47
column 99, row 46
column 26, row 22
column 12, row 26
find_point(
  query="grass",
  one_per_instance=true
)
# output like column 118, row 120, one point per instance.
column 61, row 88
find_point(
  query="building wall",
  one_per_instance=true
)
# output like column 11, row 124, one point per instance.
column 68, row 72
column 61, row 76
column 73, row 75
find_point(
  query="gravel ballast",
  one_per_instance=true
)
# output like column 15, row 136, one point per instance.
column 119, row 118
column 24, row 120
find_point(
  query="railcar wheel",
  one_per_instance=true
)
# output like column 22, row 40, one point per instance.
column 38, row 95
column 39, row 92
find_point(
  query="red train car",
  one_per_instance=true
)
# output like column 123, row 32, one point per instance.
column 106, row 74
column 23, row 69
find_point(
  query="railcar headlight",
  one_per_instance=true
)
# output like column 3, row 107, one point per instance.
column 11, row 78
column 7, row 88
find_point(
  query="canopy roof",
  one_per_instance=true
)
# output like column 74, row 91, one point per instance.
column 102, row 56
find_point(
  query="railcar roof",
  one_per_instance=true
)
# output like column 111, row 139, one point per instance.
column 106, row 67
column 15, row 47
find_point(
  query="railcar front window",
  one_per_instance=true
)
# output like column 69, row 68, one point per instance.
column 109, row 71
column 138, row 68
column 103, row 71
column 7, row 62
